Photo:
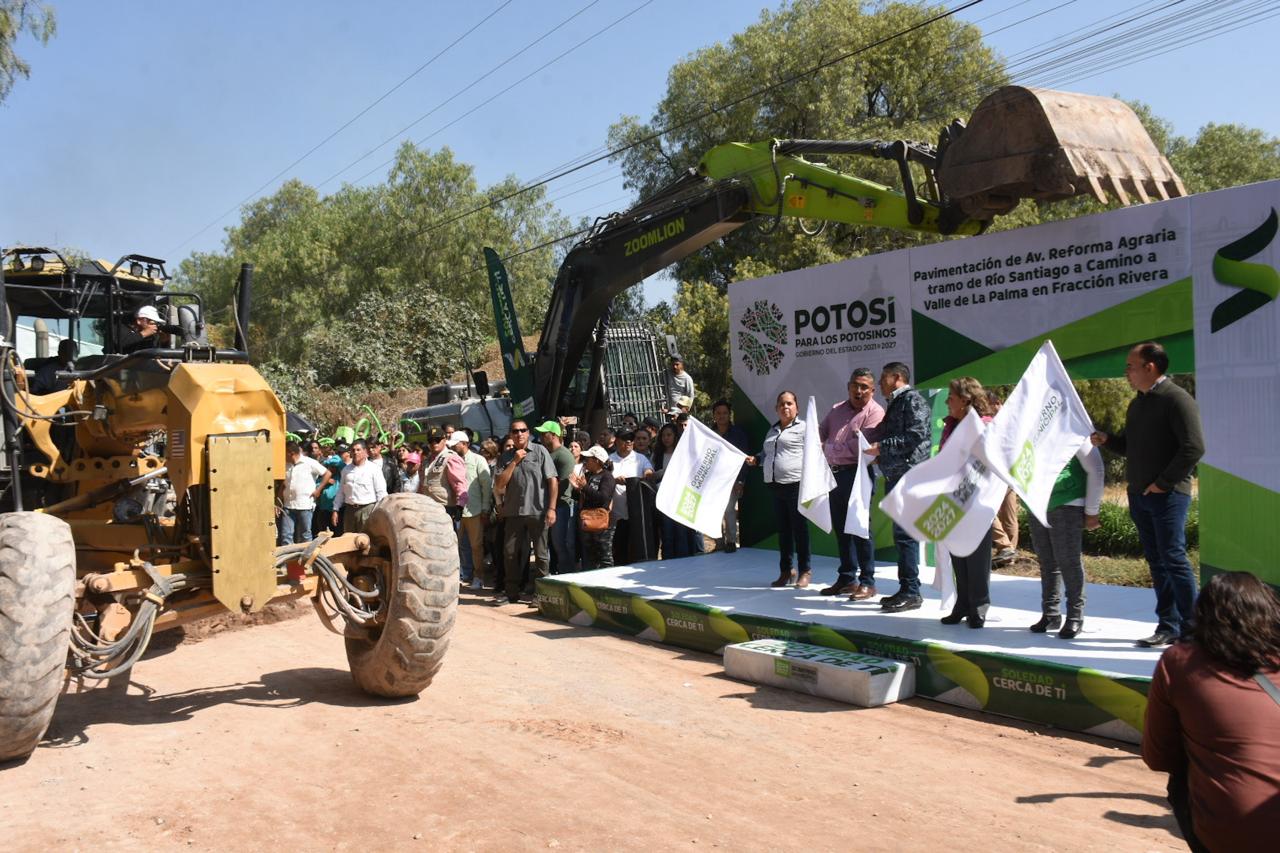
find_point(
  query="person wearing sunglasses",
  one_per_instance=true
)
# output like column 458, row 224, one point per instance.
column 528, row 479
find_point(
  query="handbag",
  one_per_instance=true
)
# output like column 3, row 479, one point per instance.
column 594, row 520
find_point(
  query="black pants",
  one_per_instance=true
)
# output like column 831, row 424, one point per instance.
column 793, row 529
column 973, row 580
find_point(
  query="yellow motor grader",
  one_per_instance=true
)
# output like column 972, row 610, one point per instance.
column 137, row 493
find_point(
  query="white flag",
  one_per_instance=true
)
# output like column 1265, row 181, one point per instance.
column 944, row 579
column 951, row 498
column 858, row 519
column 699, row 479
column 1037, row 431
column 816, row 480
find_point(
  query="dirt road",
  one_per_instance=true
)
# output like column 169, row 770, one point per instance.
column 536, row 736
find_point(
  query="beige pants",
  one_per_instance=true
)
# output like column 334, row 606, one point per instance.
column 1004, row 532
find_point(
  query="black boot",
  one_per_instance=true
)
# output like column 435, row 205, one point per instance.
column 1047, row 623
column 1073, row 626
column 955, row 617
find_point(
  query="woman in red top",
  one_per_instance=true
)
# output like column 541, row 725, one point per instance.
column 1213, row 726
column 973, row 571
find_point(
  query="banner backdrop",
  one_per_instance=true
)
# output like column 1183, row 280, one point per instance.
column 1237, row 328
column 982, row 306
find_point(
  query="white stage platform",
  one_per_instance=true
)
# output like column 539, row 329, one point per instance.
column 1096, row 682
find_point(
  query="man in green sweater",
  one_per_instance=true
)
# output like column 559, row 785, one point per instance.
column 1162, row 442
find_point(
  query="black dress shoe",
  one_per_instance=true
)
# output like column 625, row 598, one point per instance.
column 1047, row 623
column 907, row 602
column 977, row 621
column 1071, row 628
column 887, row 600
column 1156, row 640
column 952, row 618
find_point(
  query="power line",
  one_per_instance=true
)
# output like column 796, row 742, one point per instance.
column 502, row 92
column 455, row 95
column 1192, row 26
column 699, row 117
column 348, row 123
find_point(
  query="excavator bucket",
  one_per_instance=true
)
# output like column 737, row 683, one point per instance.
column 1047, row 145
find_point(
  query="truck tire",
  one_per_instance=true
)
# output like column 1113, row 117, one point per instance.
column 400, row 657
column 37, row 601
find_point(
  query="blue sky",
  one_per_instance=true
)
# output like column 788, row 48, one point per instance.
column 144, row 121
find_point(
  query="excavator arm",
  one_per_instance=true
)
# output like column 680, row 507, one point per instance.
column 1021, row 143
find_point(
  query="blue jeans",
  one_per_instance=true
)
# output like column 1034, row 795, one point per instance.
column 677, row 540
column 564, row 540
column 908, row 555
column 293, row 525
column 793, row 529
column 856, row 560
column 1161, row 520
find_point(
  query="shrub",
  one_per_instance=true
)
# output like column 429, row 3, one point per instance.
column 1118, row 536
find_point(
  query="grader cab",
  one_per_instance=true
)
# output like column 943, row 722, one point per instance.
column 137, row 493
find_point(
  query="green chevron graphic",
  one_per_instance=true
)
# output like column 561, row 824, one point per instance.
column 1260, row 282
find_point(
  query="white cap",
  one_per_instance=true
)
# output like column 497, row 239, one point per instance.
column 149, row 312
column 456, row 437
column 598, row 453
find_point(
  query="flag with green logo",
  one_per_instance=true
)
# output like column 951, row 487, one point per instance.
column 1038, row 430
column 515, row 361
column 698, row 479
column 952, row 498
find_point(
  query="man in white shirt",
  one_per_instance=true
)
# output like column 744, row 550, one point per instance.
column 304, row 480
column 362, row 487
column 627, row 464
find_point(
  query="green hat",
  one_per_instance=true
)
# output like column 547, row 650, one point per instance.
column 551, row 427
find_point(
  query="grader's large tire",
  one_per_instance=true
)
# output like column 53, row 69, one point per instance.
column 37, row 600
column 401, row 658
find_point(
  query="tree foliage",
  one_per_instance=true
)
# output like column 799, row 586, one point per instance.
column 18, row 17
column 372, row 288
column 907, row 88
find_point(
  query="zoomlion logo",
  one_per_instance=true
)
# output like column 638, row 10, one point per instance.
column 766, row 331
column 1260, row 282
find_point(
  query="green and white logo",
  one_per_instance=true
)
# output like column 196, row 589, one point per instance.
column 1024, row 467
column 782, row 666
column 688, row 506
column 1260, row 283
column 939, row 519
column 764, row 320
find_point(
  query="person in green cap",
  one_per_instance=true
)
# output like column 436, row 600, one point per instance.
column 564, row 544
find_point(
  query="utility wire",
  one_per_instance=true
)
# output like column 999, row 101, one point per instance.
column 1192, row 28
column 347, row 124
column 454, row 96
column 755, row 93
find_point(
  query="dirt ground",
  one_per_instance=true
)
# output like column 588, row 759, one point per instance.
column 538, row 735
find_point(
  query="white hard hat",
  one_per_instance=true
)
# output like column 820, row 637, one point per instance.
column 149, row 312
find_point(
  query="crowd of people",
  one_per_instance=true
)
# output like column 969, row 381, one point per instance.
column 543, row 500
column 547, row 499
column 519, row 503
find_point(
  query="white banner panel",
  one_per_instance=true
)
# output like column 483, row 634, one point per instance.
column 1237, row 326
column 805, row 331
column 1001, row 289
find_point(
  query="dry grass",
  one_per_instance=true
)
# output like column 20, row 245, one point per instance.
column 1116, row 571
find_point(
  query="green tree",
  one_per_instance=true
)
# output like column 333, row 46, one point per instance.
column 701, row 326
column 1225, row 155
column 905, row 89
column 18, row 17
column 373, row 288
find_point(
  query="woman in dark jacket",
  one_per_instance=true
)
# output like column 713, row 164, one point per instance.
column 1213, row 718
column 595, row 486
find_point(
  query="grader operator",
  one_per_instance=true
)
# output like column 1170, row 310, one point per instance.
column 138, row 495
